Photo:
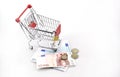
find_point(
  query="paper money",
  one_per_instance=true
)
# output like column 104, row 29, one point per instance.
column 60, row 60
column 61, row 68
column 49, row 44
column 64, row 47
column 65, row 68
column 52, row 60
column 41, row 51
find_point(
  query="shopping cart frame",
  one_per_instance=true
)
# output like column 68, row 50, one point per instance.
column 57, row 32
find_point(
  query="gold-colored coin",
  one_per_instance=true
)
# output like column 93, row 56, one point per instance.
column 74, row 50
column 56, row 38
column 74, row 56
column 64, row 56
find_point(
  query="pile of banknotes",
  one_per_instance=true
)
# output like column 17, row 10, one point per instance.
column 59, row 59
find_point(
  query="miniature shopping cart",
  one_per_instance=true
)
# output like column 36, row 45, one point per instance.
column 39, row 27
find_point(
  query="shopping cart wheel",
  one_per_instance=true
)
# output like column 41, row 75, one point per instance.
column 31, row 47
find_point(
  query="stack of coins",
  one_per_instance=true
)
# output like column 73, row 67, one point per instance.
column 74, row 53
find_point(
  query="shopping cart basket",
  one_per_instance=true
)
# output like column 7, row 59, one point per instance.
column 39, row 27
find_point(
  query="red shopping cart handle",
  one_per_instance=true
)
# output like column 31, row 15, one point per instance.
column 18, row 19
column 58, row 30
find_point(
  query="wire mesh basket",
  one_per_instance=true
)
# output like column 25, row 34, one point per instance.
column 39, row 27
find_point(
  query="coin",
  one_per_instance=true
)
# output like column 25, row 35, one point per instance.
column 74, row 56
column 64, row 56
column 74, row 50
column 56, row 38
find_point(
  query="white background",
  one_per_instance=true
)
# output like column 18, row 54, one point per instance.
column 93, row 26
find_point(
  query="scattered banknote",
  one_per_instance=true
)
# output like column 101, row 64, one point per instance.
column 41, row 51
column 61, row 68
column 52, row 60
column 49, row 44
column 46, row 58
column 64, row 47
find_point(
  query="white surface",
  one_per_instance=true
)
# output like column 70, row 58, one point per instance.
column 93, row 26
